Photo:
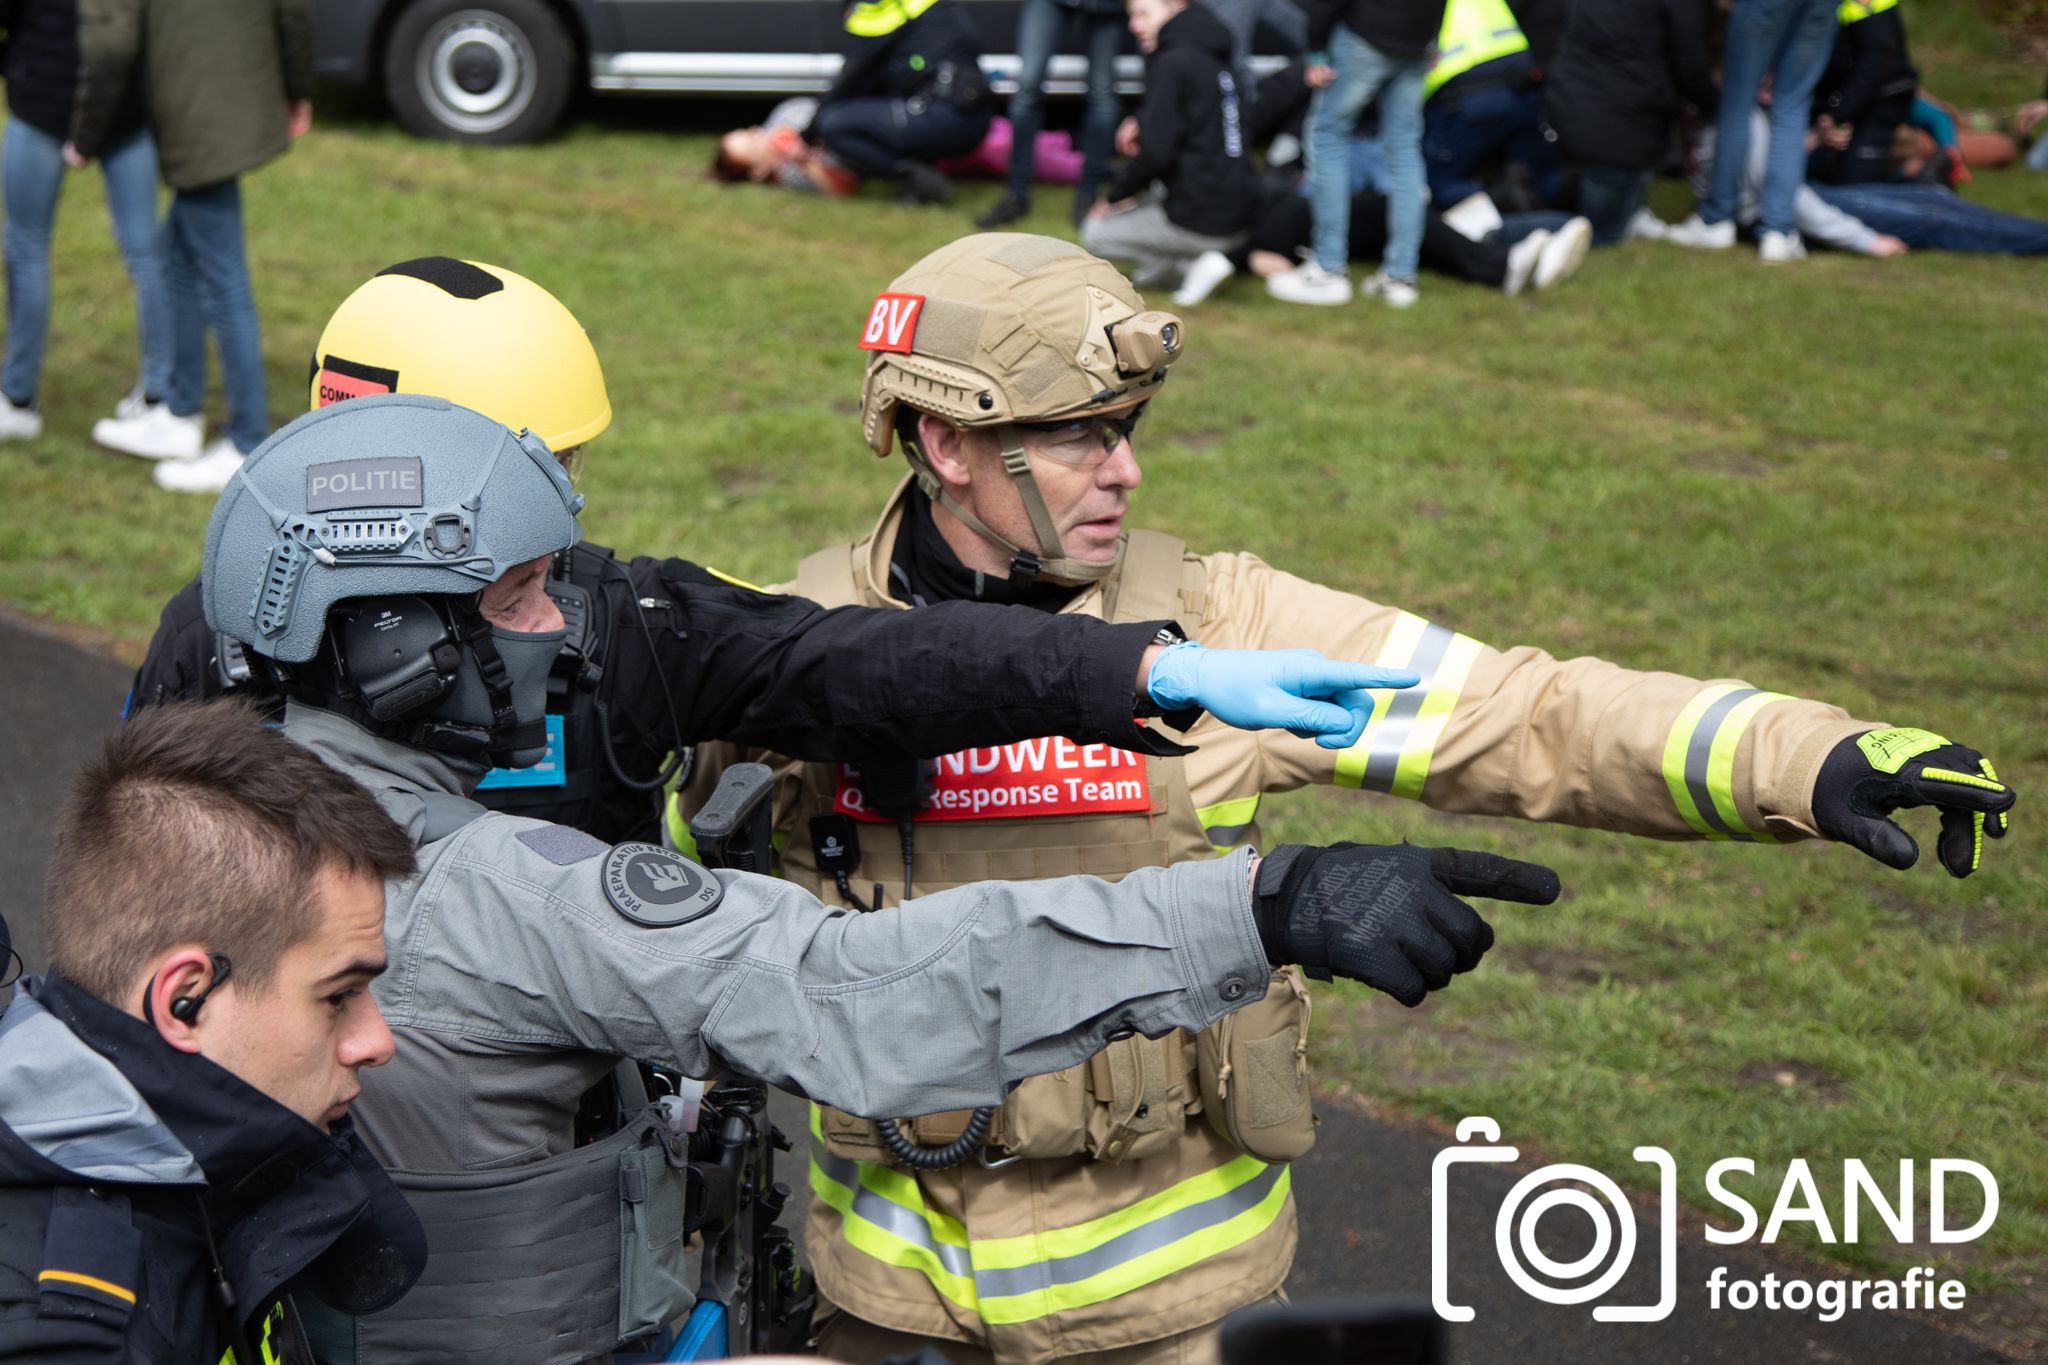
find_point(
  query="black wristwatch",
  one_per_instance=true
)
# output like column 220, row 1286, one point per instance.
column 1146, row 708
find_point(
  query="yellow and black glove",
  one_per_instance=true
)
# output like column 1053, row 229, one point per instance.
column 1866, row 777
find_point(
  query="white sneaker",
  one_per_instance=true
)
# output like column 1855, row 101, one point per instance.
column 207, row 473
column 1646, row 226
column 1701, row 236
column 1204, row 273
column 153, row 434
column 1392, row 292
column 1777, row 248
column 1522, row 258
column 132, row 404
column 1283, row 150
column 19, row 423
column 1310, row 283
column 1564, row 253
column 1472, row 217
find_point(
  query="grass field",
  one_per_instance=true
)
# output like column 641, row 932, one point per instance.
column 1827, row 480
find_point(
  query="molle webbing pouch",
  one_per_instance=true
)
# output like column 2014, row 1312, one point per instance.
column 558, row 1260
column 1132, row 1099
column 1253, row 1066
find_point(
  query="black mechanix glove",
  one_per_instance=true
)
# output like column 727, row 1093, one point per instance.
column 1866, row 777
column 1385, row 914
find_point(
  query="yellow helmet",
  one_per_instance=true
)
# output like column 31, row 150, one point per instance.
column 471, row 333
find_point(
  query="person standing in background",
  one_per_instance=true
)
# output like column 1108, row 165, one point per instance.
column 1040, row 25
column 1787, row 42
column 41, row 65
column 229, row 87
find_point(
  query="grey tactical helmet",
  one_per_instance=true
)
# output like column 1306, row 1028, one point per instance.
column 350, row 549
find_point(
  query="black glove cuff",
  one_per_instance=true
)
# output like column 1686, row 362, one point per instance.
column 1279, row 872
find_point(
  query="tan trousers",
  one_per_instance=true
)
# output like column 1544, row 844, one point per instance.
column 844, row 1337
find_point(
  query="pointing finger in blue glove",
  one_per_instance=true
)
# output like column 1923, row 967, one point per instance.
column 1297, row 690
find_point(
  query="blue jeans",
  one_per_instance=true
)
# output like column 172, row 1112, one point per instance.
column 1609, row 196
column 1463, row 132
column 208, row 274
column 1791, row 38
column 1933, row 216
column 1040, row 25
column 1516, row 227
column 1363, row 72
column 32, row 169
column 2037, row 156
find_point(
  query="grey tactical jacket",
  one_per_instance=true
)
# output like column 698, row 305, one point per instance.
column 516, row 982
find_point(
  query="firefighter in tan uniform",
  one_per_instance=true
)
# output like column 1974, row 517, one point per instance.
column 1123, row 1207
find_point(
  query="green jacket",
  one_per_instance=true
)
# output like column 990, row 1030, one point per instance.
column 218, row 75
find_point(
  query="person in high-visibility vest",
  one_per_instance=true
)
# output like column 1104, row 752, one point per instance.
column 1866, row 93
column 1128, row 1204
column 1482, row 105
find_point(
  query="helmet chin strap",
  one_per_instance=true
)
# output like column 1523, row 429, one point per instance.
column 1025, row 566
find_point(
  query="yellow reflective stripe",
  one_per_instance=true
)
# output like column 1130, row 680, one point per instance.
column 997, row 1253
column 1435, row 713
column 1394, row 753
column 1675, row 746
column 106, row 1287
column 879, row 18
column 1474, row 32
column 1856, row 11
column 724, row 577
column 1135, row 1274
column 1015, row 1279
column 1395, row 653
column 1721, row 762
column 1699, row 759
column 1225, row 822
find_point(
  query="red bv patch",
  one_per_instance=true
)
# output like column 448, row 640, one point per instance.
column 892, row 323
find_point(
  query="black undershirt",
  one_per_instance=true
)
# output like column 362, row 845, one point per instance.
column 923, row 569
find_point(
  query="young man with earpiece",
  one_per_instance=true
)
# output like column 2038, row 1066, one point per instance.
column 177, row 1160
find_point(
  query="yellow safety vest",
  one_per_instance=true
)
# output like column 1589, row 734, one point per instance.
column 879, row 18
column 1475, row 31
column 1856, row 11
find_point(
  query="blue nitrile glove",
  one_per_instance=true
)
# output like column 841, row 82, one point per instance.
column 1296, row 690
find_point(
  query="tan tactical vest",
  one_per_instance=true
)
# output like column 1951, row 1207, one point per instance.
column 1186, row 1123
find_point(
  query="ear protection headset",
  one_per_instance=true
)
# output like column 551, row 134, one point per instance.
column 401, row 653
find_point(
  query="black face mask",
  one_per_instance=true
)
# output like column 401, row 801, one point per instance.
column 527, row 657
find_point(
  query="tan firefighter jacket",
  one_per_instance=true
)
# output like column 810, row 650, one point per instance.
column 1157, row 1215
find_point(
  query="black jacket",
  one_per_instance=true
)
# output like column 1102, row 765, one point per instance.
column 689, row 656
column 124, row 1163
column 41, row 68
column 1870, row 63
column 1404, row 29
column 1191, row 129
column 895, row 49
column 1622, row 71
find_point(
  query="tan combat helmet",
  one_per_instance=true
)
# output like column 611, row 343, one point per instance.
column 1002, row 328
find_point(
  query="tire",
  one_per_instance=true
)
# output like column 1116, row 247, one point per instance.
column 479, row 70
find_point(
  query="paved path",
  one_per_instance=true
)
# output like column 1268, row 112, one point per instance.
column 1364, row 1192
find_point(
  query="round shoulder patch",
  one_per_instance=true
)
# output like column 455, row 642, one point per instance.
column 656, row 888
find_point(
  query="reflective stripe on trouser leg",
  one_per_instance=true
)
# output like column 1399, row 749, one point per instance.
column 1394, row 753
column 1006, row 1280
column 1699, row 759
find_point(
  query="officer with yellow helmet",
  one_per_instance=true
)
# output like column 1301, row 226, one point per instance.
column 1129, row 1204
column 661, row 652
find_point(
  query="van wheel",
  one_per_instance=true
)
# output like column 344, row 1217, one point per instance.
column 479, row 70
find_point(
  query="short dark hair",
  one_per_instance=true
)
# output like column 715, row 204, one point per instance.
column 199, row 823
column 726, row 169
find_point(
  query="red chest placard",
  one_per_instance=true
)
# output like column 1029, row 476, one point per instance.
column 1034, row 777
